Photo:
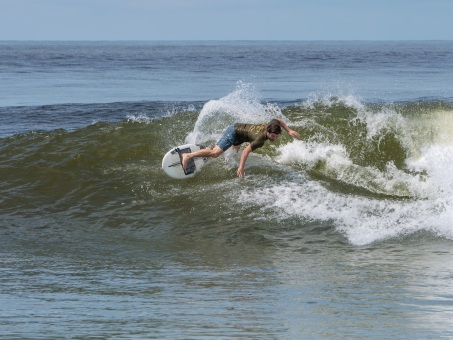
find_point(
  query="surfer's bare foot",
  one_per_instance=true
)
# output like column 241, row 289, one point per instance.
column 185, row 160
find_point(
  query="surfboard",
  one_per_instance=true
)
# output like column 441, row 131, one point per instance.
column 171, row 163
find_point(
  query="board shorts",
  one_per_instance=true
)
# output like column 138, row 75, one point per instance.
column 227, row 140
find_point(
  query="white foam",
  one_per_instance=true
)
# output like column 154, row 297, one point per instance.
column 362, row 220
column 333, row 161
column 309, row 153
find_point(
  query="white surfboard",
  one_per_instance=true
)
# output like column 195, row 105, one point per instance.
column 171, row 163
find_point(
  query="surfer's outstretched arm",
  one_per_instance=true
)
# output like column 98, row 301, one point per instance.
column 291, row 132
column 244, row 156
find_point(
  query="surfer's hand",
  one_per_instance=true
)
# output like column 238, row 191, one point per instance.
column 241, row 172
column 293, row 133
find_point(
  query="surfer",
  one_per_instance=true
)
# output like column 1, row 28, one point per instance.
column 236, row 134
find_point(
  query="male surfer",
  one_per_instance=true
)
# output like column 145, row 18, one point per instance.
column 236, row 134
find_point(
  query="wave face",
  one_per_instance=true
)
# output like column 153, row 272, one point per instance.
column 371, row 171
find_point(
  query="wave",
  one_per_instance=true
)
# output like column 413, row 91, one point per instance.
column 376, row 171
column 373, row 170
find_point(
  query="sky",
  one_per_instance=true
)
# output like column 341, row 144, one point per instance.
column 226, row 20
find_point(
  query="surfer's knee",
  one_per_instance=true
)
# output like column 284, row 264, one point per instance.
column 216, row 152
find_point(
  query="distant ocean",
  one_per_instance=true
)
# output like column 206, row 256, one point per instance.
column 346, row 233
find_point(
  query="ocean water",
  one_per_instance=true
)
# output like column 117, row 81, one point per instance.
column 346, row 233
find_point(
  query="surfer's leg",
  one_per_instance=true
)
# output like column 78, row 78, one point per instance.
column 205, row 153
column 222, row 145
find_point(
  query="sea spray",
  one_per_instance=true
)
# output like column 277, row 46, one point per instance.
column 241, row 105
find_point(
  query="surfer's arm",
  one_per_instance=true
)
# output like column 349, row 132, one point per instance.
column 291, row 132
column 245, row 154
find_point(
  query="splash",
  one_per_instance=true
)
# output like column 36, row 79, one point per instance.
column 138, row 118
column 241, row 105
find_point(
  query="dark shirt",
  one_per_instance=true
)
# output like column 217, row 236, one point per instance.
column 255, row 134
